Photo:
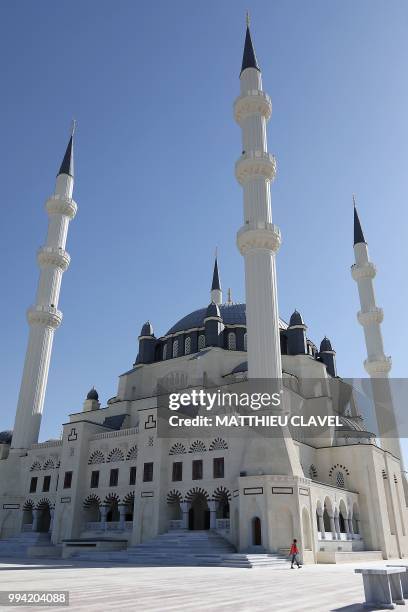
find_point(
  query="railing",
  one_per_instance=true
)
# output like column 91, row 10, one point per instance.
column 223, row 524
column 131, row 431
column 176, row 524
column 342, row 537
column 48, row 444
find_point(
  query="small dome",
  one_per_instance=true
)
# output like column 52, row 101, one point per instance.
column 147, row 329
column 213, row 310
column 93, row 394
column 5, row 437
column 296, row 319
column 325, row 345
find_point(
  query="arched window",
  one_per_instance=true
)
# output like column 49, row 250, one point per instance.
column 245, row 341
column 232, row 341
column 164, row 352
column 175, row 348
column 201, row 342
column 187, row 346
column 340, row 480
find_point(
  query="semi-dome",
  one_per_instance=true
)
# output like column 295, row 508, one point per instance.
column 147, row 329
column 6, row 436
column 296, row 319
column 93, row 394
column 325, row 345
column 231, row 314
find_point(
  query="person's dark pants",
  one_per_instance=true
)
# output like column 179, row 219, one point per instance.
column 294, row 560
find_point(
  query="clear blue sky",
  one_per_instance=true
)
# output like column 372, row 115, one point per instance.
column 151, row 85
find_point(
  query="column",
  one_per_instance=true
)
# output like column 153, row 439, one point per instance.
column 122, row 516
column 36, row 514
column 52, row 512
column 321, row 525
column 332, row 527
column 337, row 525
column 212, row 505
column 104, row 510
column 185, row 507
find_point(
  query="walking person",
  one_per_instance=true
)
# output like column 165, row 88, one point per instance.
column 294, row 555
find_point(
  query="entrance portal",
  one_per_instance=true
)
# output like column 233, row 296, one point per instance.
column 256, row 531
column 44, row 519
column 199, row 514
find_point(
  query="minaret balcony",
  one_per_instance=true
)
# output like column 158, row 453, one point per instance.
column 61, row 205
column 258, row 236
column 254, row 102
column 48, row 316
column 366, row 270
column 255, row 164
column 378, row 368
column 54, row 257
column 371, row 316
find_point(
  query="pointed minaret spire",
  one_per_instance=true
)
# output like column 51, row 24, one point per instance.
column 249, row 58
column 44, row 317
column 358, row 232
column 216, row 292
column 67, row 166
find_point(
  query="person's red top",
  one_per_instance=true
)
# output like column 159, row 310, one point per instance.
column 294, row 549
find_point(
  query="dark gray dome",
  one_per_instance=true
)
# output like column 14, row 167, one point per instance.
column 93, row 394
column 296, row 319
column 231, row 314
column 213, row 310
column 325, row 345
column 147, row 329
column 5, row 437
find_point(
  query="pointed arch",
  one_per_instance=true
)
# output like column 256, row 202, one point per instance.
column 43, row 503
column 28, row 504
column 221, row 493
column 36, row 466
column 91, row 500
column 132, row 453
column 96, row 457
column 49, row 464
column 174, row 497
column 178, row 449
column 196, row 492
column 197, row 446
column 218, row 444
column 115, row 455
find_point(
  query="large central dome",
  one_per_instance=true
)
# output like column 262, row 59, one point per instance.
column 232, row 314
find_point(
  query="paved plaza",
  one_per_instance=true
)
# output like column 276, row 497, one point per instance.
column 98, row 587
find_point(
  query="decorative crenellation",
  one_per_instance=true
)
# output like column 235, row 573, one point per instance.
column 365, row 270
column 378, row 367
column 255, row 164
column 258, row 235
column 53, row 257
column 368, row 317
column 255, row 102
column 61, row 205
column 47, row 316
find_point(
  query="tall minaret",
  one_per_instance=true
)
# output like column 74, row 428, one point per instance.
column 44, row 317
column 216, row 292
column 258, row 240
column 377, row 365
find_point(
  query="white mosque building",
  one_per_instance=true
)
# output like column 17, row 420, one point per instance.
column 112, row 483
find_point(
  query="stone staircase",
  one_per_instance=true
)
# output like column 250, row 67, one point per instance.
column 185, row 548
column 29, row 544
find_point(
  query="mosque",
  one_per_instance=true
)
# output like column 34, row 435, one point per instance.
column 113, row 482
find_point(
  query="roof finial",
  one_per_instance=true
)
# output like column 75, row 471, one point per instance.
column 354, row 200
column 73, row 126
column 248, row 20
column 229, row 298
